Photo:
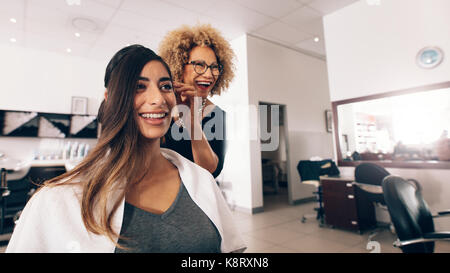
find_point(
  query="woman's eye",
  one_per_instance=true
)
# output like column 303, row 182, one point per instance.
column 141, row 86
column 201, row 64
column 167, row 87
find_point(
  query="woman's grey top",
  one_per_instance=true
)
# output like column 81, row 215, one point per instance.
column 183, row 228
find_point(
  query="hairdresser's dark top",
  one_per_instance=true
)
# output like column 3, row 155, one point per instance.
column 214, row 129
column 183, row 228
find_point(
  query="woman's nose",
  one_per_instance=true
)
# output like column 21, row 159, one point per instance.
column 208, row 73
column 153, row 96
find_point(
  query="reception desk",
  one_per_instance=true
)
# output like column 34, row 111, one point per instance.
column 345, row 205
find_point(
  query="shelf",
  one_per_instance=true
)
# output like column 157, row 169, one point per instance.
column 48, row 125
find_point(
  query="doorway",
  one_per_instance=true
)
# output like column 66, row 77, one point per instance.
column 274, row 155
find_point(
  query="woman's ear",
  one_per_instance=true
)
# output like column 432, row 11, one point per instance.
column 106, row 94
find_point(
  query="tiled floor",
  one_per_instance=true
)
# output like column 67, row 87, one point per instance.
column 279, row 230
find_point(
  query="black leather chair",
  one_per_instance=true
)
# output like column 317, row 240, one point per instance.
column 411, row 216
column 368, row 178
column 14, row 196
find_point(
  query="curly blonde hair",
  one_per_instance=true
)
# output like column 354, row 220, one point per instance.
column 177, row 44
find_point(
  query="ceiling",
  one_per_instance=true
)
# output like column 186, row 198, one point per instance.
column 104, row 26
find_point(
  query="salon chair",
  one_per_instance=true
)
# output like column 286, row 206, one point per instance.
column 411, row 217
column 368, row 178
column 309, row 172
column 15, row 193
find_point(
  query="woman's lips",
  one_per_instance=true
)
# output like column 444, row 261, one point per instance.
column 203, row 85
column 154, row 118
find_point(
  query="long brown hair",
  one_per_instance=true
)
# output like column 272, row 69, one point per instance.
column 118, row 160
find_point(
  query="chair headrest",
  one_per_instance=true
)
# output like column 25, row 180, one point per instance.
column 370, row 173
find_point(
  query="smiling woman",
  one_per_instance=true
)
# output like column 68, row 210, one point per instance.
column 153, row 108
column 202, row 64
column 128, row 194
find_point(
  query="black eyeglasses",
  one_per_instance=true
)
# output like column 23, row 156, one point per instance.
column 200, row 67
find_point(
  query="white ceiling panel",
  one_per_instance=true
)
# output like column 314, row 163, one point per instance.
column 169, row 15
column 12, row 8
column 282, row 33
column 111, row 3
column 6, row 25
column 199, row 6
column 133, row 21
column 314, row 27
column 50, row 43
column 48, row 24
column 300, row 16
column 51, row 16
column 305, row 1
column 120, row 37
column 267, row 7
column 12, row 37
column 228, row 12
column 87, row 8
column 329, row 6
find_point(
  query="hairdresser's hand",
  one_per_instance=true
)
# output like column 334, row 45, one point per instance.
column 183, row 92
column 186, row 95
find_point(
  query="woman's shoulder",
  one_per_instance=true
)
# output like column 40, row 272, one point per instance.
column 183, row 164
column 58, row 194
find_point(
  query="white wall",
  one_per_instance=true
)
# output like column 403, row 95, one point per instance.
column 372, row 49
column 268, row 72
column 36, row 80
column 236, row 176
column 281, row 75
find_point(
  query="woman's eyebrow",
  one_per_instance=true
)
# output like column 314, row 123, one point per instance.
column 214, row 62
column 164, row 79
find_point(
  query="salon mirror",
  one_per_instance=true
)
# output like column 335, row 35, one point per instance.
column 406, row 128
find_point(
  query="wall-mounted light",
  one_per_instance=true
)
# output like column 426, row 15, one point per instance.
column 68, row 50
column 316, row 39
column 429, row 57
column 12, row 40
column 13, row 20
column 77, row 34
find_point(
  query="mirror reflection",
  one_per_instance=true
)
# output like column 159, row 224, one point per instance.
column 409, row 127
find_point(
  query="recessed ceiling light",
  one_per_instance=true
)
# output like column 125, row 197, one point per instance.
column 13, row 20
column 77, row 34
column 316, row 39
column 13, row 40
column 68, row 50
column 84, row 24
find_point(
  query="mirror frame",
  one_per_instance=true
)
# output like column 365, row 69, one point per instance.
column 387, row 164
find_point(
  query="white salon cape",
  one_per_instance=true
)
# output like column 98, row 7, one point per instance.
column 51, row 221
